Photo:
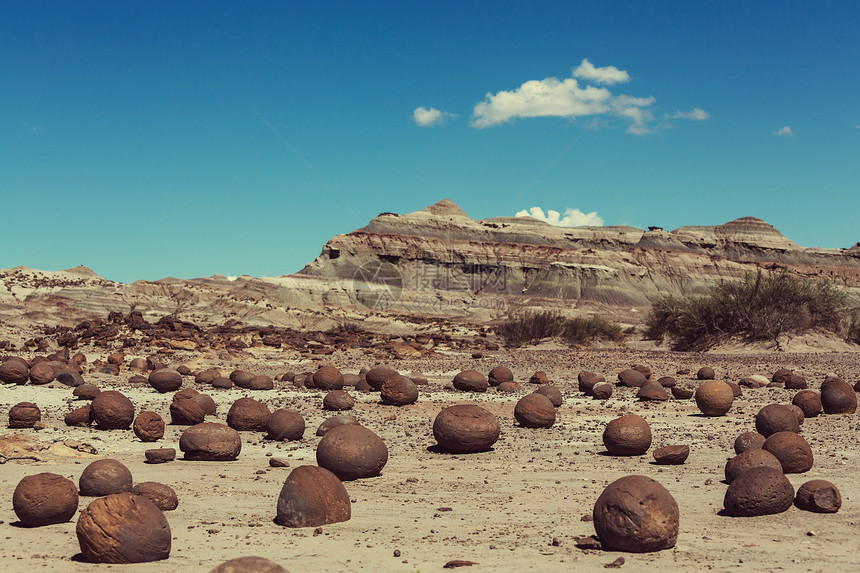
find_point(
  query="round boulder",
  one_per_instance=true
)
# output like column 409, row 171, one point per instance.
column 337, row 400
column 241, row 378
column 470, row 381
column 535, row 411
column 587, row 380
column 377, row 375
column 14, row 370
column 754, row 458
column 509, row 387
column 312, row 496
column 334, row 422
column 682, row 392
column 163, row 496
column 261, row 382
column 78, row 417
column 749, row 441
column 636, row 514
column 553, row 393
column 328, row 378
column 539, row 377
column 210, row 441
column 86, row 392
column 781, row 376
column 671, row 455
column 352, row 452
column 652, row 392
column 41, row 373
column 186, row 412
column 45, row 499
column 714, row 398
column 148, row 426
column 24, row 415
column 123, row 528
column 248, row 415
column 775, row 418
column 285, row 425
column 838, row 397
column 250, row 564
column 792, row 451
column 111, row 410
column 602, row 391
column 465, row 428
column 632, row 378
column 165, row 380
column 706, row 373
column 399, row 391
column 629, row 435
column 819, row 496
column 104, row 477
column 206, row 403
column 809, row 402
column 500, row 374
column 759, row 491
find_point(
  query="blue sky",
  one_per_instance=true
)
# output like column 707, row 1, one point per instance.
column 157, row 139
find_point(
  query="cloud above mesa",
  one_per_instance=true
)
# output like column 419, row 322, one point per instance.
column 427, row 117
column 571, row 217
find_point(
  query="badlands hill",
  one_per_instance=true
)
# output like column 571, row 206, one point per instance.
column 439, row 262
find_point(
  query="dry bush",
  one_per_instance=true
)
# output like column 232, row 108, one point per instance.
column 531, row 327
column 586, row 330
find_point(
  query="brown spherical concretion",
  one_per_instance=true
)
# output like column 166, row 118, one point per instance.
column 123, row 528
column 328, row 378
column 241, row 378
column 138, row 364
column 45, row 499
column 500, row 374
column 632, row 378
column 818, row 495
column 348, row 380
column 682, row 392
column 248, row 415
column 465, row 428
column 210, row 441
column 86, row 392
column 781, row 376
column 285, row 425
column 111, row 410
column 104, row 477
column 667, row 382
column 78, row 416
column 312, row 496
column 646, row 370
column 206, row 402
column 754, row 458
column 838, row 397
column 652, row 391
column 809, row 401
column 636, row 514
column 535, row 411
column 186, row 413
column 352, row 452
column 160, row 455
column 14, row 370
column 602, row 391
column 185, row 394
column 470, row 381
column 798, row 414
column 249, row 564
column 261, row 382
column 399, row 391
column 222, row 383
column 207, row 376
column 759, row 491
column 69, row 377
column 41, row 373
column 338, row 400
column 509, row 387
column 148, row 426
column 116, row 358
column 165, row 380
column 539, row 377
column 629, row 435
column 706, row 373
column 587, row 380
column 334, row 422
column 736, row 389
column 714, row 398
column 791, row 450
column 671, row 455
column 748, row 441
column 775, row 418
column 163, row 496
column 363, row 386
column 796, row 382
column 24, row 415
column 377, row 375
column 553, row 393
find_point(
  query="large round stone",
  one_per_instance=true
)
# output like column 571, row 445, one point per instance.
column 14, row 370
column 334, row 422
column 45, row 499
column 377, row 375
column 500, row 374
column 470, row 381
column 587, row 380
column 149, row 426
column 248, row 415
column 465, row 428
column 551, row 392
column 104, row 477
column 123, row 528
column 41, row 373
column 261, row 382
column 312, row 496
column 186, row 412
column 337, row 400
column 352, row 452
column 792, row 451
column 636, row 514
column 809, row 402
column 819, row 496
column 535, row 411
column 748, row 441
column 775, row 418
column 111, row 410
column 759, row 491
column 165, row 380
column 210, row 441
column 838, row 397
column 163, row 496
column 249, row 564
column 754, row 458
column 328, row 378
column 629, row 435
column 398, row 391
column 632, row 378
column 714, row 398
column 24, row 415
column 241, row 378
column 285, row 425
column 207, row 376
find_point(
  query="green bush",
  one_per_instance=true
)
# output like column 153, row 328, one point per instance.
column 531, row 327
column 757, row 307
column 586, row 330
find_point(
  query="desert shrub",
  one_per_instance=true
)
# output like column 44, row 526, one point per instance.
column 852, row 327
column 757, row 307
column 586, row 330
column 345, row 327
column 530, row 327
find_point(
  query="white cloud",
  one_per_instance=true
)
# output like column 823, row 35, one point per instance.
column 427, row 117
column 784, row 132
column 609, row 75
column 571, row 217
column 698, row 114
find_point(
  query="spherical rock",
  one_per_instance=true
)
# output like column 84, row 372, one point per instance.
column 775, row 418
column 798, row 414
column 759, row 491
column 500, row 374
column 86, row 392
column 123, row 528
column 69, row 377
column 104, row 477
column 796, row 382
column 285, row 425
column 601, row 391
column 399, row 391
column 350, row 380
column 45, row 499
column 470, row 381
column 24, row 415
column 509, row 387
column 248, row 415
column 792, row 451
column 714, row 398
column 222, row 383
column 338, row 400
column 328, row 378
column 539, row 377
column 682, row 392
column 553, row 393
column 249, row 564
column 377, row 375
column 636, row 514
column 632, row 378
column 14, row 370
column 645, row 370
column 667, row 382
column 111, row 410
column 754, row 458
column 465, row 428
column 706, row 373
column 809, row 401
column 312, row 496
column 629, row 435
column 41, row 373
column 185, row 394
column 186, row 413
column 671, row 455
column 736, row 389
column 206, row 403
column 78, row 416
column 138, row 365
column 652, row 391
column 261, row 382
column 818, row 495
column 149, row 426
column 352, row 452
column 334, row 422
column 748, row 441
column 163, row 496
column 781, row 376
column 535, row 411
column 587, row 381
column 160, row 455
column 241, row 378
column 838, row 397
column 210, row 441
column 207, row 376
column 165, row 380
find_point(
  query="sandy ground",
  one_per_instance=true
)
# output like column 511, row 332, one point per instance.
column 500, row 509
